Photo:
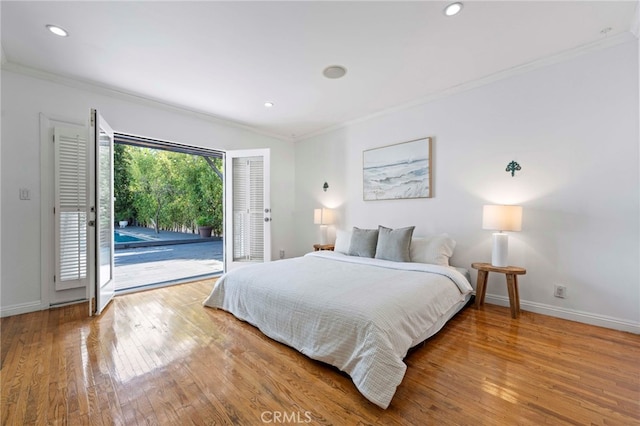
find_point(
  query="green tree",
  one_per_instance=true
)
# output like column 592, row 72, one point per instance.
column 172, row 190
column 152, row 184
column 210, row 192
column 123, row 205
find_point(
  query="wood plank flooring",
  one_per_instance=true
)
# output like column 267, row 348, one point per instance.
column 160, row 357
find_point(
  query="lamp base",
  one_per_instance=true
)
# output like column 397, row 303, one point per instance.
column 499, row 253
column 323, row 234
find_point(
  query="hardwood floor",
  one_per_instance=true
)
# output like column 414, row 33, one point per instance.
column 160, row 357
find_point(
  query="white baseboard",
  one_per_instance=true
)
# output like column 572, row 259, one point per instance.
column 22, row 308
column 25, row 308
column 569, row 314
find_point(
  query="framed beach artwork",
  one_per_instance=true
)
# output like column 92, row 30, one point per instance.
column 397, row 171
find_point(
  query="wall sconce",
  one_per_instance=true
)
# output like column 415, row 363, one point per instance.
column 325, row 186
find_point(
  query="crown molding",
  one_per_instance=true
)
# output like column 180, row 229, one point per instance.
column 125, row 95
column 566, row 55
column 112, row 91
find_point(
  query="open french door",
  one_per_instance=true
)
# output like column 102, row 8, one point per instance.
column 102, row 287
column 247, row 208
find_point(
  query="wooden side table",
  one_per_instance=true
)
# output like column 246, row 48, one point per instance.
column 511, row 273
column 318, row 247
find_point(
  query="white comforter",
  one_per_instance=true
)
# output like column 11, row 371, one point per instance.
column 358, row 314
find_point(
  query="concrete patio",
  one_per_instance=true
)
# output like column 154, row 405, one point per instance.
column 164, row 258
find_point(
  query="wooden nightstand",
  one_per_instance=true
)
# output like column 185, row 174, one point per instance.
column 318, row 247
column 511, row 273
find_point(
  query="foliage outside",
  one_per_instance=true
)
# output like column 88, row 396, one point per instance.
column 167, row 190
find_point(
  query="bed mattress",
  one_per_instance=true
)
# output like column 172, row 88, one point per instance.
column 360, row 315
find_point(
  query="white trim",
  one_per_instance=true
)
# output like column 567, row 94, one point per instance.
column 500, row 75
column 96, row 87
column 23, row 308
column 569, row 314
column 47, row 240
column 113, row 91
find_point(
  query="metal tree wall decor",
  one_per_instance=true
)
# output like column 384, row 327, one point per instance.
column 513, row 167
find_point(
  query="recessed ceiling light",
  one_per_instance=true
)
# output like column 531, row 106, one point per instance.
column 334, row 71
column 453, row 9
column 57, row 30
column 268, row 104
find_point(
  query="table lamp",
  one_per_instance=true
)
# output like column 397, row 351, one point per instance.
column 323, row 217
column 501, row 218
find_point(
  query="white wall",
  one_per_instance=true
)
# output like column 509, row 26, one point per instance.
column 25, row 97
column 572, row 126
column 636, row 32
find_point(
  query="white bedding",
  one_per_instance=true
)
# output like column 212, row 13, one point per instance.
column 360, row 315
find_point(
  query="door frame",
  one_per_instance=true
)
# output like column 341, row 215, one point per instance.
column 129, row 139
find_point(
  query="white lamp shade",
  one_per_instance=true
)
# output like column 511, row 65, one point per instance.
column 322, row 216
column 502, row 218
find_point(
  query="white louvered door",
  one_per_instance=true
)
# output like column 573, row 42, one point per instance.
column 247, row 208
column 71, row 208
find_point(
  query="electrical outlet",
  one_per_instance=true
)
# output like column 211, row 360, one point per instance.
column 560, row 291
column 25, row 194
column 281, row 254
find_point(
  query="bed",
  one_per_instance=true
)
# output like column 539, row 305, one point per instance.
column 357, row 313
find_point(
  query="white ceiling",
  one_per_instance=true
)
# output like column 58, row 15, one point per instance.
column 227, row 58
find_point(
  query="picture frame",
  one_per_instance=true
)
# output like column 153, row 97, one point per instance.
column 398, row 171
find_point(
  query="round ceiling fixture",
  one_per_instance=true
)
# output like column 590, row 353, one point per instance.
column 268, row 104
column 334, row 71
column 59, row 31
column 453, row 9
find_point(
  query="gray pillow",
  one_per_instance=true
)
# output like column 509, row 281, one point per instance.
column 394, row 244
column 363, row 242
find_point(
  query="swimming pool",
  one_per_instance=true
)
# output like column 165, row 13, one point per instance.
column 122, row 238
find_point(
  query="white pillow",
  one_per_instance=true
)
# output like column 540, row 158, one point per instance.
column 343, row 241
column 436, row 249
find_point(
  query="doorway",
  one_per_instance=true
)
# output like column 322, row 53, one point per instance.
column 246, row 209
column 168, row 213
